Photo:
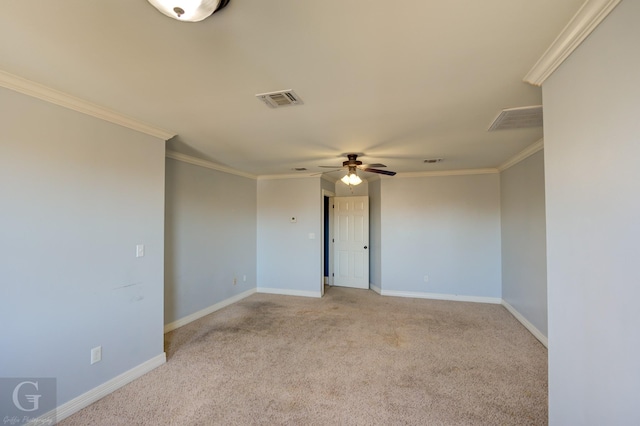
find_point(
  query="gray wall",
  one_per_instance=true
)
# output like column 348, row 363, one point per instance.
column 445, row 227
column 287, row 258
column 375, row 240
column 328, row 185
column 592, row 147
column 78, row 195
column 524, row 253
column 210, row 232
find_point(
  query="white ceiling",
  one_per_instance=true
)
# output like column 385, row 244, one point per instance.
column 397, row 81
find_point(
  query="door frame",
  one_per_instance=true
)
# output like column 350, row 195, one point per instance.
column 330, row 195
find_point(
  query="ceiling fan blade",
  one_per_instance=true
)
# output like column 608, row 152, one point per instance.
column 382, row 172
column 328, row 171
column 364, row 166
column 331, row 167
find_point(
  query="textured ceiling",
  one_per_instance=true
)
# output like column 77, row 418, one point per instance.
column 397, row 81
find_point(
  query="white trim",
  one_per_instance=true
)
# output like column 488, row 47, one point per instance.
column 288, row 292
column 324, row 176
column 532, row 328
column 328, row 280
column 577, row 30
column 442, row 296
column 459, row 172
column 39, row 91
column 67, row 409
column 375, row 288
column 291, row 176
column 205, row 163
column 206, row 311
column 522, row 155
column 328, row 178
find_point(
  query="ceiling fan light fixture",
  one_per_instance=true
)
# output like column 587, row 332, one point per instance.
column 353, row 164
column 351, row 178
column 188, row 10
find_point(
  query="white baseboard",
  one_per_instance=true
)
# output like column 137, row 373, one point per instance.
column 532, row 328
column 206, row 311
column 88, row 398
column 289, row 292
column 441, row 296
column 453, row 297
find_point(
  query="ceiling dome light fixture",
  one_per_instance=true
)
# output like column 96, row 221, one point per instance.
column 189, row 10
column 352, row 177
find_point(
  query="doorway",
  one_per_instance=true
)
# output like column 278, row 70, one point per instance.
column 327, row 251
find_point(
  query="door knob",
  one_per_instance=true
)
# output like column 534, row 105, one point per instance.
column 365, row 247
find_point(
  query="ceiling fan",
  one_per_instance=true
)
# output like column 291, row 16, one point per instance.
column 353, row 164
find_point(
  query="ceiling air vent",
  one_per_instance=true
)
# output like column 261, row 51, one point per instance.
column 518, row 118
column 433, row 160
column 280, row 98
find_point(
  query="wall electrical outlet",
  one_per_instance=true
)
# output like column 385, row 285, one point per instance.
column 140, row 250
column 244, row 278
column 96, row 354
column 426, row 278
column 235, row 281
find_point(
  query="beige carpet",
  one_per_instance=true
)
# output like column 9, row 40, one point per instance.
column 350, row 358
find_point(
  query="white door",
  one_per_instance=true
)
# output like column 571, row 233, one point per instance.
column 351, row 242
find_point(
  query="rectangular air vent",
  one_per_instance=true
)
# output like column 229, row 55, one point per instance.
column 518, row 118
column 280, row 98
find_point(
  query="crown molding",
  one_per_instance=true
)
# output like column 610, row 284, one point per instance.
column 328, row 178
column 581, row 25
column 47, row 94
column 289, row 176
column 460, row 172
column 525, row 153
column 302, row 176
column 207, row 164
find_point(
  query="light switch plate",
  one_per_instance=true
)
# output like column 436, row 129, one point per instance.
column 96, row 354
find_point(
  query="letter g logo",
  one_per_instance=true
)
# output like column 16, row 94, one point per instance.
column 31, row 398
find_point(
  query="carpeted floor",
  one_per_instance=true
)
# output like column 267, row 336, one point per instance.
column 350, row 358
